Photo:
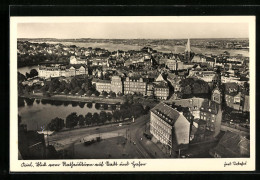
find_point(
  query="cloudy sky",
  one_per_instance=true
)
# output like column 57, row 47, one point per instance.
column 129, row 30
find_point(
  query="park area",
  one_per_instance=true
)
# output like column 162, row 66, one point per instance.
column 112, row 148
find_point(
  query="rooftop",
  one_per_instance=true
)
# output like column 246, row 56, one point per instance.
column 233, row 145
column 209, row 106
column 167, row 113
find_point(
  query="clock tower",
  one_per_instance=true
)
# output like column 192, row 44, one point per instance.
column 216, row 95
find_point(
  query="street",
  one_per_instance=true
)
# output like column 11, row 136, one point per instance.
column 133, row 133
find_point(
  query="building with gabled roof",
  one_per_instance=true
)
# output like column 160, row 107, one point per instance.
column 161, row 88
column 231, row 145
column 134, row 85
column 169, row 126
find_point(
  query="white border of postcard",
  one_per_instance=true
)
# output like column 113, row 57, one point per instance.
column 205, row 164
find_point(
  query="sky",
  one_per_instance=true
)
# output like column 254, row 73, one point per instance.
column 132, row 30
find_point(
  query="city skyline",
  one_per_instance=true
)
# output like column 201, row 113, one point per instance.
column 125, row 92
column 133, row 30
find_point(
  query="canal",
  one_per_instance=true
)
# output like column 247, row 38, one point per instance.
column 38, row 113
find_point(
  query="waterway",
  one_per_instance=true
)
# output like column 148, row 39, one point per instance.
column 39, row 114
column 162, row 48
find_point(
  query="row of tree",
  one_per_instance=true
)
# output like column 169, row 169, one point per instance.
column 126, row 112
column 38, row 58
column 73, row 120
column 30, row 101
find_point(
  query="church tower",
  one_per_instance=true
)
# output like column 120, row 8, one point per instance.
column 217, row 98
column 188, row 52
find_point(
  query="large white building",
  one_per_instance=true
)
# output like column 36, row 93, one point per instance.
column 75, row 60
column 114, row 85
column 173, row 64
column 207, row 76
column 169, row 126
column 57, row 70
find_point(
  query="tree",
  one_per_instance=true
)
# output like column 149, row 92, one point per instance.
column 103, row 116
column 21, row 102
column 113, row 107
column 77, row 89
column 96, row 118
column 96, row 93
column 89, row 92
column 87, row 85
column 27, row 75
column 73, row 92
column 21, row 77
column 196, row 88
column 105, row 106
column 186, row 82
column 56, row 124
column 97, row 105
column 33, row 73
column 38, row 101
column 129, row 99
column 120, row 94
column 89, row 105
column 20, row 89
column 125, row 113
column 27, row 90
column 113, row 94
column 81, row 120
column 54, row 84
column 74, row 83
column 147, row 109
column 88, row 118
column 109, row 116
column 74, row 103
column 187, row 90
column 51, row 89
column 71, row 120
column 29, row 101
column 81, row 92
column 66, row 91
column 82, row 104
column 117, row 115
column 104, row 93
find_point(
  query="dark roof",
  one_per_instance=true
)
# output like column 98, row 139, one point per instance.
column 95, row 80
column 165, row 111
column 190, row 103
column 231, row 93
column 209, row 106
column 160, row 85
column 231, row 89
column 233, row 145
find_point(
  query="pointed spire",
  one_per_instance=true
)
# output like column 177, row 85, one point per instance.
column 188, row 46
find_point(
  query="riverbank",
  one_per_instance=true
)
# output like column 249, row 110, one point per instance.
column 92, row 99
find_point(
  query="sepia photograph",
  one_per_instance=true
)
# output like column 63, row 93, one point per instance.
column 132, row 93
